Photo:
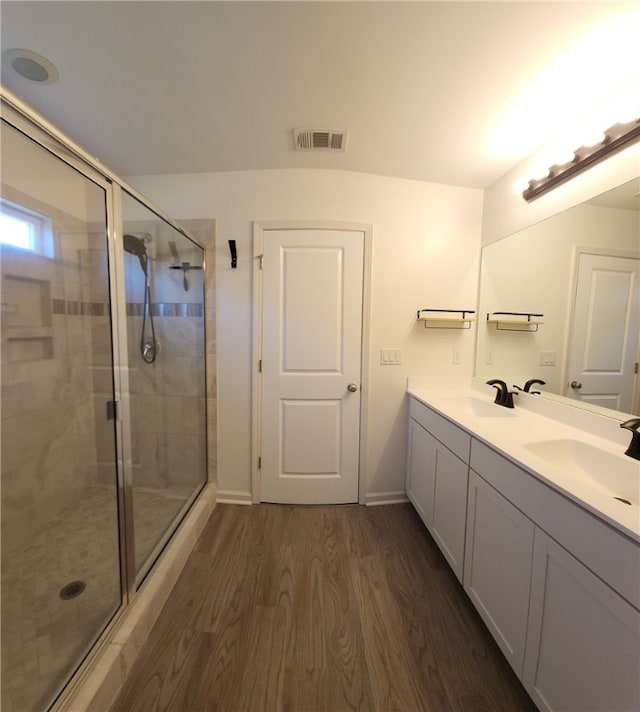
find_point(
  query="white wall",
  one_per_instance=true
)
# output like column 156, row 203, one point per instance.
column 426, row 243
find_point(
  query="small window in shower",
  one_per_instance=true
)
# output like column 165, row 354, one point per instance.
column 25, row 229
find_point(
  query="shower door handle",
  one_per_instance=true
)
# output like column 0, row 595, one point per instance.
column 112, row 410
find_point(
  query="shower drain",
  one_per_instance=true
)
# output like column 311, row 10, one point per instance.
column 71, row 590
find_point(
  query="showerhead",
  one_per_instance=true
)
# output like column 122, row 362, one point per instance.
column 135, row 246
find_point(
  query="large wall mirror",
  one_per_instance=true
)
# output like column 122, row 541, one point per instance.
column 580, row 269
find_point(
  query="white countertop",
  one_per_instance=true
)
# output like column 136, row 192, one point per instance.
column 533, row 420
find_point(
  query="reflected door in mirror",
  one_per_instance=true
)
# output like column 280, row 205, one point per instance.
column 604, row 344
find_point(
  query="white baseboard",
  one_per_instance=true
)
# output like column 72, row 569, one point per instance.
column 233, row 497
column 375, row 498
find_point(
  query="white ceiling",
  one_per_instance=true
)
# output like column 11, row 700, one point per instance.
column 167, row 87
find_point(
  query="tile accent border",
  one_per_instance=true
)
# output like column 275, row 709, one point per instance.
column 73, row 307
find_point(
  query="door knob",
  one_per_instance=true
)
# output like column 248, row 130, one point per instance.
column 576, row 385
column 352, row 387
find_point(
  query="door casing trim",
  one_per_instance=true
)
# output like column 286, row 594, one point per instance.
column 259, row 229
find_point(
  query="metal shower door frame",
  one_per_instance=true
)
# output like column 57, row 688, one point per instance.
column 37, row 128
column 21, row 117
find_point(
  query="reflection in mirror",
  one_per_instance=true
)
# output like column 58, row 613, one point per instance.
column 581, row 269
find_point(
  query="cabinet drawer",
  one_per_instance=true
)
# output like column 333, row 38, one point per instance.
column 608, row 553
column 450, row 435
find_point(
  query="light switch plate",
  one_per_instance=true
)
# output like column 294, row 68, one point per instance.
column 390, row 357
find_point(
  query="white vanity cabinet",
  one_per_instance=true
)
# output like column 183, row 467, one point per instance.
column 497, row 569
column 565, row 614
column 437, row 477
column 583, row 640
column 421, row 471
column 557, row 585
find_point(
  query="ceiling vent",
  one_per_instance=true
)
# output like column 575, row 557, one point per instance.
column 317, row 140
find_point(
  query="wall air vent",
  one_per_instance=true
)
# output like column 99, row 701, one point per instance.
column 316, row 140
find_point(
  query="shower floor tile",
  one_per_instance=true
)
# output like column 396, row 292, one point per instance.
column 43, row 636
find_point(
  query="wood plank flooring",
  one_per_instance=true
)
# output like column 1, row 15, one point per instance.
column 319, row 609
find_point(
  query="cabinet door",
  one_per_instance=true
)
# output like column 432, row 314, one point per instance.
column 421, row 469
column 497, row 570
column 450, row 507
column 583, row 643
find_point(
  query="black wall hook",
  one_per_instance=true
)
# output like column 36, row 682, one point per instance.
column 234, row 254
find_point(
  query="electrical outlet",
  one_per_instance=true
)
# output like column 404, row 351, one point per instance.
column 455, row 357
column 488, row 359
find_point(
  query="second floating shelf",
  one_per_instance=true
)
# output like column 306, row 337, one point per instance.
column 515, row 321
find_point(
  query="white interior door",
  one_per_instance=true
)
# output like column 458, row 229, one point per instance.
column 312, row 287
column 604, row 344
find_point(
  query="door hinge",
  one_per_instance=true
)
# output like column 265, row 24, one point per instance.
column 259, row 463
column 261, row 258
column 112, row 410
column 635, row 368
column 260, row 366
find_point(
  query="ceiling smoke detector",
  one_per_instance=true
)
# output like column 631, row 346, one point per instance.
column 319, row 140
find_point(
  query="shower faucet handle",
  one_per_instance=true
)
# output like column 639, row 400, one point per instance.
column 150, row 351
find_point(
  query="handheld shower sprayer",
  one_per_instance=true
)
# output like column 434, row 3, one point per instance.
column 136, row 246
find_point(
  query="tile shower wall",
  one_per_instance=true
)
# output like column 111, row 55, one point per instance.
column 58, row 522
column 50, row 310
column 168, row 402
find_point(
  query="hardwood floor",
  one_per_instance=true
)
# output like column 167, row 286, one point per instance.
column 319, row 609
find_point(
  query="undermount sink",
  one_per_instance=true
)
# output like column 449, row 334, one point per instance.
column 616, row 475
column 482, row 408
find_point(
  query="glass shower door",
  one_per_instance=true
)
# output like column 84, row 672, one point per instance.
column 61, row 581
column 164, row 285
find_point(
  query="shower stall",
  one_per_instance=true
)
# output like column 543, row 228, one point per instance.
column 104, row 446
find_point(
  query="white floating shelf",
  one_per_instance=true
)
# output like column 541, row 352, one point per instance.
column 515, row 321
column 446, row 318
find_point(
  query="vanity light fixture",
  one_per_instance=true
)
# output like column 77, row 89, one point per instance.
column 615, row 138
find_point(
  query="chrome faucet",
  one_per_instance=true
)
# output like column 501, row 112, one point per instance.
column 634, row 446
column 504, row 396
